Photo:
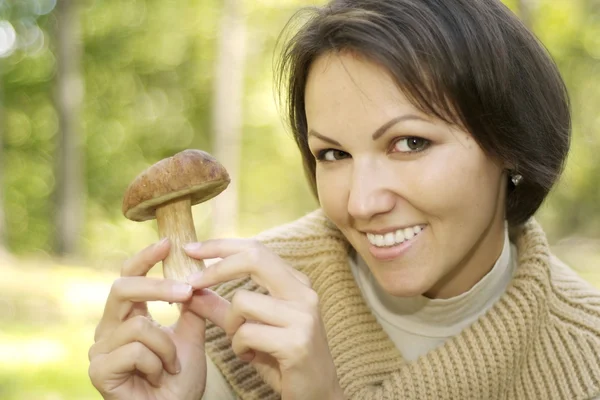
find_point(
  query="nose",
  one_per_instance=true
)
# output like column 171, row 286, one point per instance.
column 370, row 193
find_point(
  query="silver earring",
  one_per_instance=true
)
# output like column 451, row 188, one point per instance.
column 516, row 179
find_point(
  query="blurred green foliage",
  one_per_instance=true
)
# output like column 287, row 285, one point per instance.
column 45, row 335
column 148, row 68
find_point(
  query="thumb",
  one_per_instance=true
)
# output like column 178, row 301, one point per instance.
column 204, row 304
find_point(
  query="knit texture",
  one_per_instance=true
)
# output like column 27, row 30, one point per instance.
column 541, row 340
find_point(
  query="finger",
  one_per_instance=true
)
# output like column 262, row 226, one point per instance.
column 228, row 247
column 262, row 269
column 256, row 307
column 109, row 371
column 190, row 327
column 219, row 248
column 142, row 262
column 254, row 260
column 209, row 305
column 147, row 332
column 252, row 338
column 305, row 280
column 127, row 291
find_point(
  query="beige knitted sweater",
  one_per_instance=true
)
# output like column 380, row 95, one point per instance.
column 541, row 340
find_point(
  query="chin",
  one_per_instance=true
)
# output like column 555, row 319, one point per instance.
column 404, row 291
column 400, row 284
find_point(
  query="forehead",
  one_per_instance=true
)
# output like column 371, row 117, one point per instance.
column 344, row 87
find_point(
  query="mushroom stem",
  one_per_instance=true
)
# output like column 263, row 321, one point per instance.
column 175, row 222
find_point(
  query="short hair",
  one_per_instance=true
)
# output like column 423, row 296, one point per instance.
column 471, row 63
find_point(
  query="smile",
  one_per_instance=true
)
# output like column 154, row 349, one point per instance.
column 394, row 238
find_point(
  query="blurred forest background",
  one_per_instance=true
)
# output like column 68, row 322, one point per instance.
column 94, row 91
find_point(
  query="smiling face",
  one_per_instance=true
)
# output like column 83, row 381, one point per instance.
column 417, row 198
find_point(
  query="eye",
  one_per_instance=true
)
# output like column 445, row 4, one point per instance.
column 331, row 155
column 411, row 144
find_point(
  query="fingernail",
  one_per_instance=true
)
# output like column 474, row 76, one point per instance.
column 194, row 278
column 247, row 356
column 162, row 241
column 192, row 246
column 177, row 366
column 181, row 289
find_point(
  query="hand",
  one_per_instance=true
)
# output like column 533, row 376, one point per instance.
column 281, row 334
column 133, row 356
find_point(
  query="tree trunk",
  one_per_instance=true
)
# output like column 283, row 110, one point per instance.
column 227, row 112
column 70, row 191
column 3, row 231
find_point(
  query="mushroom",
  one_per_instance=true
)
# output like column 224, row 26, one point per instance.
column 167, row 191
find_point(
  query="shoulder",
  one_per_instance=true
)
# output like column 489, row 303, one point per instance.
column 571, row 304
column 564, row 309
column 574, row 295
column 308, row 236
column 560, row 270
column 554, row 277
column 314, row 225
column 574, row 324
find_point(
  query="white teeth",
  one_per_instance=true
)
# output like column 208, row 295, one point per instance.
column 399, row 236
column 394, row 238
column 390, row 238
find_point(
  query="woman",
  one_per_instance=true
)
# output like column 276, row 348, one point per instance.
column 431, row 132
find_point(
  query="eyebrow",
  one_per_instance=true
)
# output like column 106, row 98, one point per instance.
column 314, row 133
column 377, row 134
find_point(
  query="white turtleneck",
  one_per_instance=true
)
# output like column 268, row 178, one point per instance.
column 419, row 324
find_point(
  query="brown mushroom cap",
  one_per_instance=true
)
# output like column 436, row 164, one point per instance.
column 193, row 173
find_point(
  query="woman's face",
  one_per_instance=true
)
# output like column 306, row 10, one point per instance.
column 417, row 198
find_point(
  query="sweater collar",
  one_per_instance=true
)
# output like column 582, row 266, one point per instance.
column 360, row 347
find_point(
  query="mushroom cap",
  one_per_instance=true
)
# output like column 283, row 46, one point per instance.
column 193, row 173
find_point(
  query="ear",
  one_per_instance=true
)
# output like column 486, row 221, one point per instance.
column 509, row 166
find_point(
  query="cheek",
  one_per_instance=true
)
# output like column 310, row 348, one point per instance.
column 333, row 192
column 454, row 181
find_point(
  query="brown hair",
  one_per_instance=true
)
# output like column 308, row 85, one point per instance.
column 469, row 63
